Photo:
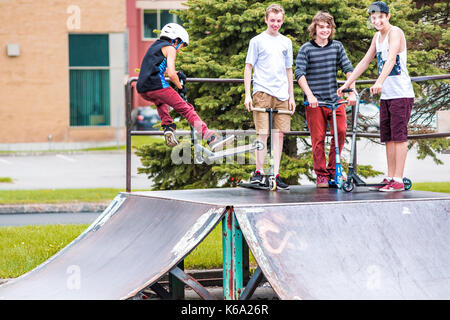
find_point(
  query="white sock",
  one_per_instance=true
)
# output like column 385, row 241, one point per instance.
column 400, row 180
column 389, row 178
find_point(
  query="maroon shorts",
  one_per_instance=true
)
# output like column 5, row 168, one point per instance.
column 394, row 118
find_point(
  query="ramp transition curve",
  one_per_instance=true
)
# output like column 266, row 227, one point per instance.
column 130, row 246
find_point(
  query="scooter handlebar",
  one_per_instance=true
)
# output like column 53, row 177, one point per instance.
column 327, row 104
column 267, row 110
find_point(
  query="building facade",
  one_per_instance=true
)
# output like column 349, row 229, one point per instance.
column 62, row 71
column 64, row 64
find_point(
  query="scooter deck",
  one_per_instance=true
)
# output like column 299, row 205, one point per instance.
column 253, row 186
column 332, row 184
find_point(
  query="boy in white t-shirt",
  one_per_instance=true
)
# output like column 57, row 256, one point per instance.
column 397, row 94
column 270, row 57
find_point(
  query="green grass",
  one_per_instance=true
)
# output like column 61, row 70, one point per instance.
column 23, row 248
column 432, row 186
column 208, row 255
column 58, row 195
column 5, row 180
column 136, row 141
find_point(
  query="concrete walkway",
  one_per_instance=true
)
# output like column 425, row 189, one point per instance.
column 28, row 219
column 91, row 169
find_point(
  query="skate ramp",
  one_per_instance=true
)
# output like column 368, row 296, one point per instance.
column 129, row 247
column 353, row 249
column 310, row 244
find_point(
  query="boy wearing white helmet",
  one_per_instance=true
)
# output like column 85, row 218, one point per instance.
column 152, row 86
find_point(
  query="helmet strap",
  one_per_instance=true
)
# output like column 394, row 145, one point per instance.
column 179, row 44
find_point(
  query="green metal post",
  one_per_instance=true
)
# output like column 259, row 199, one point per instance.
column 233, row 258
column 176, row 287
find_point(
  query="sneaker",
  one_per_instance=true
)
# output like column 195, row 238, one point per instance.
column 215, row 142
column 257, row 177
column 381, row 185
column 280, row 184
column 169, row 134
column 322, row 182
column 393, row 186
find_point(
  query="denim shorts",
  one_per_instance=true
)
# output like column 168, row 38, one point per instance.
column 394, row 118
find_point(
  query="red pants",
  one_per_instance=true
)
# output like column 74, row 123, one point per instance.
column 163, row 98
column 318, row 119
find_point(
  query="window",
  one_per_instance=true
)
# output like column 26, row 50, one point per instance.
column 155, row 20
column 89, row 79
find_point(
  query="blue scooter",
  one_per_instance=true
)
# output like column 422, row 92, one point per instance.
column 338, row 181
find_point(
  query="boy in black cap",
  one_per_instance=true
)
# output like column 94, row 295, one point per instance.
column 397, row 94
column 378, row 6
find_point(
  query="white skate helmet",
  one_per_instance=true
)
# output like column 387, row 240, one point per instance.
column 175, row 31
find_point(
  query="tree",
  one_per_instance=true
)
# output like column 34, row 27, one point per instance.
column 220, row 31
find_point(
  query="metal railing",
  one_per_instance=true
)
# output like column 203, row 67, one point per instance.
column 129, row 98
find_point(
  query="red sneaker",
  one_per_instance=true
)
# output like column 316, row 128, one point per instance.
column 393, row 186
column 322, row 182
column 382, row 184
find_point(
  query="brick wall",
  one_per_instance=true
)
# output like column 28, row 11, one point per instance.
column 34, row 86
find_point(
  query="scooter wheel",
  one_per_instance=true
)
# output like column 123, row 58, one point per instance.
column 407, row 183
column 272, row 184
column 348, row 186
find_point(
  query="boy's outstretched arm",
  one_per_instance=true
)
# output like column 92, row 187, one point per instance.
column 395, row 42
column 290, row 77
column 247, row 86
column 360, row 68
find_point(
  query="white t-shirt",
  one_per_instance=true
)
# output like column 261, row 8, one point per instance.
column 270, row 57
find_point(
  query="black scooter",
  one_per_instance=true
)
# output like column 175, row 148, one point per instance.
column 352, row 177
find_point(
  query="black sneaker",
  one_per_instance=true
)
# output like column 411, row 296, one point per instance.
column 280, row 184
column 215, row 142
column 169, row 134
column 257, row 177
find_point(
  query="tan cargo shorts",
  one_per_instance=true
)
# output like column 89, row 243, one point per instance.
column 282, row 122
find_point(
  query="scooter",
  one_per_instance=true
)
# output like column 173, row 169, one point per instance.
column 205, row 155
column 352, row 177
column 270, row 182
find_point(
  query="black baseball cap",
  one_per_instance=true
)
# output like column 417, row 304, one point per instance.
column 378, row 6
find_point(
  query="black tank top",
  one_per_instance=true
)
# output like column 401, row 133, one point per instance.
column 154, row 64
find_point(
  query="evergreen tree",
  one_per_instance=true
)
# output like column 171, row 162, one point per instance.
column 220, row 31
